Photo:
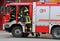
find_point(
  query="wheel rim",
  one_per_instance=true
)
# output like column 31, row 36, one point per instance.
column 17, row 32
column 57, row 32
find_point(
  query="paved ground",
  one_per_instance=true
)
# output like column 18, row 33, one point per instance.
column 5, row 36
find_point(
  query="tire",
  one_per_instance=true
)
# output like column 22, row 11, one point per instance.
column 25, row 34
column 56, row 33
column 17, row 31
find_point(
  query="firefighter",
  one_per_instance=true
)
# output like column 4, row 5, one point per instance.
column 23, row 13
column 24, row 10
column 37, row 34
column 26, row 18
column 28, row 24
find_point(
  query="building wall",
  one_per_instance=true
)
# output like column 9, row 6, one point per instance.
column 55, row 0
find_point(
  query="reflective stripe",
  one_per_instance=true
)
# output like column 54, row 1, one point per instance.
column 21, row 15
column 28, row 20
column 26, row 10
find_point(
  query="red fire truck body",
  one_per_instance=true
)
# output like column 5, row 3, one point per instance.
column 45, row 18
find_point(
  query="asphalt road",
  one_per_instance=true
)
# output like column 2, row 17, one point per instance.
column 5, row 36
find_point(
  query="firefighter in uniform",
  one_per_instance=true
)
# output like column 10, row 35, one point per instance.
column 37, row 34
column 28, row 22
column 23, row 13
column 26, row 18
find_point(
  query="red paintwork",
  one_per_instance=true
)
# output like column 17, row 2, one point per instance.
column 20, row 3
column 47, row 4
column 16, row 14
column 1, row 21
column 31, row 9
column 6, row 18
column 44, row 29
column 47, row 20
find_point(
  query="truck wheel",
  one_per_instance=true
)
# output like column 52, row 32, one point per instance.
column 25, row 34
column 56, row 33
column 17, row 31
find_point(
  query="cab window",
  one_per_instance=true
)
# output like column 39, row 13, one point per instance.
column 12, row 13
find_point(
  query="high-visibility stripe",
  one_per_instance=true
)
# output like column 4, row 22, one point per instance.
column 28, row 20
column 26, row 9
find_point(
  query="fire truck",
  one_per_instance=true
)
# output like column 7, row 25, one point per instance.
column 45, row 18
